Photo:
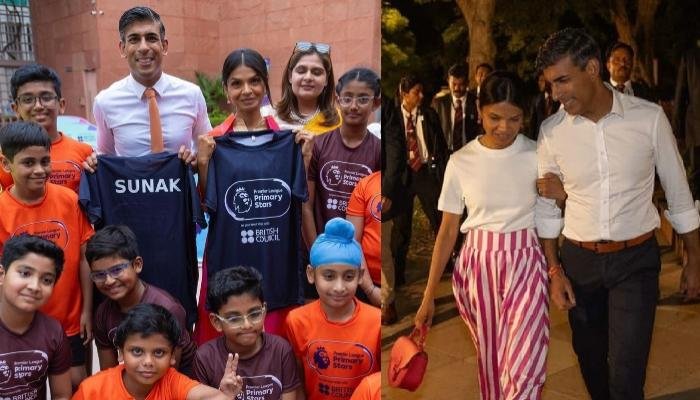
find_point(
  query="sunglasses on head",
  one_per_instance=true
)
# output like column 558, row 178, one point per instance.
column 322, row 48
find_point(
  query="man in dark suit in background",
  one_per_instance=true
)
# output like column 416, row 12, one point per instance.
column 543, row 105
column 426, row 155
column 686, row 112
column 457, row 110
column 620, row 63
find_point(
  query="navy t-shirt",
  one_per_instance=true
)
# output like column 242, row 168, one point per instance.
column 154, row 195
column 254, row 195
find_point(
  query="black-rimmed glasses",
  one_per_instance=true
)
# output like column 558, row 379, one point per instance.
column 45, row 99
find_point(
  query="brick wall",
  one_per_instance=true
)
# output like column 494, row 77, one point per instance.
column 83, row 46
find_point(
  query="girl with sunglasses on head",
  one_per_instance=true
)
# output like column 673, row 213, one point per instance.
column 340, row 158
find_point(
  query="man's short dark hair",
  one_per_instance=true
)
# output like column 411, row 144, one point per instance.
column 484, row 65
column 619, row 45
column 21, row 245
column 145, row 320
column 138, row 14
column 17, row 136
column 34, row 73
column 112, row 241
column 234, row 281
column 572, row 42
column 458, row 70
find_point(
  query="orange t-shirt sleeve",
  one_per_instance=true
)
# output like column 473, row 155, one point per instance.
column 176, row 384
column 357, row 203
column 107, row 381
column 5, row 179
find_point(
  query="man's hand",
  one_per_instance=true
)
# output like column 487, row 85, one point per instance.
column 690, row 278
column 90, row 163
column 187, row 156
column 560, row 290
column 550, row 187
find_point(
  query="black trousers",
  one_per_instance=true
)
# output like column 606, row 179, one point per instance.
column 612, row 323
column 426, row 186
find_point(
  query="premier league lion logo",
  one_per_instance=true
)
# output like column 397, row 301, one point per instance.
column 321, row 358
column 334, row 176
column 242, row 201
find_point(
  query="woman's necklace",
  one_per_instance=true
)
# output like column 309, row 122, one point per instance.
column 302, row 120
column 260, row 124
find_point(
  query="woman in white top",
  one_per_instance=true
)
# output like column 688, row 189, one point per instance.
column 500, row 278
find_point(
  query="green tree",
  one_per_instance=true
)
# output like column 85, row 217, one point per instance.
column 214, row 97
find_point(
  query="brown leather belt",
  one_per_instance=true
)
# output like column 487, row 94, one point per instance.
column 610, row 246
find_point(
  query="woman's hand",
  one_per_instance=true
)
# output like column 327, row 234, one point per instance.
column 425, row 313
column 306, row 139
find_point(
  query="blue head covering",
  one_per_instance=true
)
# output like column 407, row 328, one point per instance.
column 337, row 245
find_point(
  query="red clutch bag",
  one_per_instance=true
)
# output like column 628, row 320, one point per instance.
column 408, row 360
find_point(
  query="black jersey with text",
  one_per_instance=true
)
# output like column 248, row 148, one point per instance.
column 253, row 196
column 154, row 195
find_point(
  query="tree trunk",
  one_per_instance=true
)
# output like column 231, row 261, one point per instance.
column 638, row 35
column 479, row 17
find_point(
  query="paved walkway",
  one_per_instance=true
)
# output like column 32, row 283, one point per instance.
column 674, row 365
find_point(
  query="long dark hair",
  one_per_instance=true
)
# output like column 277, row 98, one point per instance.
column 503, row 86
column 251, row 59
column 288, row 103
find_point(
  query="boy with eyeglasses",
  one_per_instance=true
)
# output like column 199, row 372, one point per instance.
column 35, row 206
column 115, row 263
column 36, row 91
column 266, row 362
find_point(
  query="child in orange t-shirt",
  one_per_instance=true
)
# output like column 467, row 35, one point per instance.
column 365, row 213
column 370, row 388
column 34, row 206
column 36, row 91
column 336, row 338
column 146, row 339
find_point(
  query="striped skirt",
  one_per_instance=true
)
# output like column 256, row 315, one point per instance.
column 500, row 284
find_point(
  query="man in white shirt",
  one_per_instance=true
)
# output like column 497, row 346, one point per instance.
column 121, row 111
column 606, row 147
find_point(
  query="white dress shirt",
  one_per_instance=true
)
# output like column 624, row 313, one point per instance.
column 628, row 86
column 499, row 192
column 607, row 168
column 463, row 99
column 418, row 123
column 123, row 124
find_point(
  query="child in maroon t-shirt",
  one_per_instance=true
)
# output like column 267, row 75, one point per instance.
column 266, row 362
column 115, row 264
column 33, row 346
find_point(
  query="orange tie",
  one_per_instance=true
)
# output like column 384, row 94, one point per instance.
column 154, row 116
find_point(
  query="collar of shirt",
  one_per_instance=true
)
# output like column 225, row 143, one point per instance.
column 463, row 99
column 627, row 84
column 406, row 113
column 138, row 89
column 618, row 106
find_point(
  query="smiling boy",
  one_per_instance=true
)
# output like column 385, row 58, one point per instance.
column 115, row 265
column 146, row 339
column 35, row 206
column 32, row 345
column 36, row 91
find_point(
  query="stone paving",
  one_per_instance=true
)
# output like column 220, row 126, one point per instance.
column 674, row 366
